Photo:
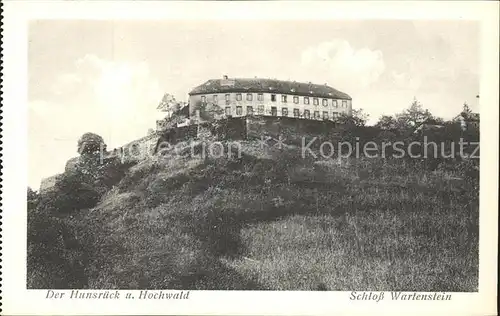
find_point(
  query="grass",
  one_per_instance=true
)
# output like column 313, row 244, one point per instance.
column 274, row 221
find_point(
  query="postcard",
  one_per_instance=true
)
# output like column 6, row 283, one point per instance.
column 249, row 158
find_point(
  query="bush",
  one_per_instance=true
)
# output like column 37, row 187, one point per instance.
column 90, row 143
column 33, row 199
column 55, row 260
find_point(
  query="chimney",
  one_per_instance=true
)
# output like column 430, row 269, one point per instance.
column 224, row 77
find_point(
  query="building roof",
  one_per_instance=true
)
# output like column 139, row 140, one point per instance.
column 268, row 86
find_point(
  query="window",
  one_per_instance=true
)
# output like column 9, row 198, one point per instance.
column 296, row 100
column 335, row 103
column 344, row 103
column 316, row 115
column 325, row 115
column 228, row 110
column 249, row 97
column 227, row 99
column 306, row 100
column 216, row 99
column 284, row 112
column 315, row 101
column 203, row 99
column 238, row 96
column 283, row 98
column 273, row 97
column 307, row 114
column 296, row 113
column 249, row 110
column 335, row 115
column 325, row 102
column 239, row 110
column 274, row 111
column 260, row 109
column 260, row 97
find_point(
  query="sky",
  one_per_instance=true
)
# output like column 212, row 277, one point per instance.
column 107, row 77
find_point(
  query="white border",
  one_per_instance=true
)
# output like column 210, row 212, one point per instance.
column 17, row 300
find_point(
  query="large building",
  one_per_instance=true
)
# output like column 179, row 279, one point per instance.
column 240, row 97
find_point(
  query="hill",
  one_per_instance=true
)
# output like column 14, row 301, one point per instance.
column 268, row 219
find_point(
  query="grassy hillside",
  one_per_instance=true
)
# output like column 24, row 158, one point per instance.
column 270, row 220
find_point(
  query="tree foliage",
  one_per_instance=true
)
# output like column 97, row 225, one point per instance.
column 208, row 110
column 90, row 143
column 387, row 122
column 32, row 198
column 408, row 119
column 414, row 115
column 169, row 104
column 357, row 118
column 174, row 120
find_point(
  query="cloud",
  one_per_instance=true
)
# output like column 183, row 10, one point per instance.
column 409, row 81
column 116, row 100
column 342, row 66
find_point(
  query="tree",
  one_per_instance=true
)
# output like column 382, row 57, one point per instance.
column 355, row 119
column 90, row 143
column 174, row 120
column 169, row 104
column 32, row 199
column 466, row 111
column 413, row 116
column 387, row 122
column 208, row 111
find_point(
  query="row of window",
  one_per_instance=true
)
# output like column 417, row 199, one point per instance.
column 284, row 99
column 284, row 112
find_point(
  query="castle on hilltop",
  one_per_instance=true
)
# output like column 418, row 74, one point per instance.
column 270, row 97
column 245, row 106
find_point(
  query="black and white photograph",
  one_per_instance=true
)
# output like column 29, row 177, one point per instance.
column 171, row 156
column 249, row 156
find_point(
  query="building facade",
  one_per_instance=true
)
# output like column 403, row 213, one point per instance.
column 235, row 97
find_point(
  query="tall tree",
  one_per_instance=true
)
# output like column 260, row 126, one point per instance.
column 414, row 115
column 169, row 104
column 466, row 111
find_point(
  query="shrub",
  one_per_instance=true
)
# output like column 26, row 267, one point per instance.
column 55, row 260
column 32, row 198
column 90, row 143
